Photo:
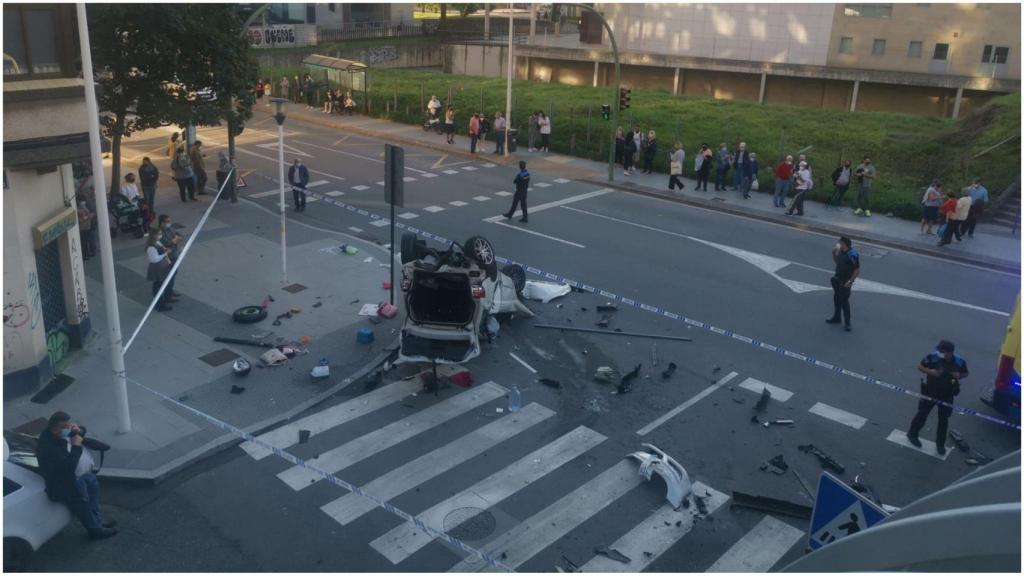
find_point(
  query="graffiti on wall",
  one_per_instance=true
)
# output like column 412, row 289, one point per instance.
column 57, row 345
column 16, row 314
column 36, row 308
column 81, row 304
column 378, row 55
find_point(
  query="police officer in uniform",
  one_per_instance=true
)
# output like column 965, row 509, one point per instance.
column 847, row 262
column 943, row 371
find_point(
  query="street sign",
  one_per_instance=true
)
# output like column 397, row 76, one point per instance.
column 240, row 183
column 394, row 175
column 839, row 511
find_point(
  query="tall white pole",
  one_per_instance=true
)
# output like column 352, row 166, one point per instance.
column 508, row 87
column 99, row 182
column 280, row 177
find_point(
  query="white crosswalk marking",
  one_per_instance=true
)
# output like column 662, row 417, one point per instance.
column 481, row 198
column 429, row 175
column 264, row 194
column 562, row 180
column 542, row 185
column 334, row 193
column 288, row 435
column 350, row 507
column 927, row 446
column 405, row 540
column 488, row 165
column 756, row 386
column 836, row 415
column 380, row 222
column 450, row 171
column 315, row 184
column 312, row 199
column 539, row 531
column 408, row 215
column 361, row 187
column 380, row 183
column 502, row 193
column 381, row 439
column 469, row 168
column 433, row 209
column 354, row 229
column 458, row 203
column 655, row 534
column 760, row 548
column 408, row 179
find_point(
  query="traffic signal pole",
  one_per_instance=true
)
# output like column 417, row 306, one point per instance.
column 618, row 82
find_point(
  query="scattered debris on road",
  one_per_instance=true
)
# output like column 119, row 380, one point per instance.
column 613, row 554
column 767, row 504
column 776, row 465
column 668, row 372
column 606, row 374
column 762, row 402
column 768, row 424
column 654, row 354
column 607, row 307
column 653, row 460
column 616, row 333
column 321, row 370
column 243, row 341
column 825, row 460
column 304, row 436
column 626, row 384
column 958, row 440
column 544, row 291
column 235, row 389
column 241, row 367
column 550, row 382
column 803, row 484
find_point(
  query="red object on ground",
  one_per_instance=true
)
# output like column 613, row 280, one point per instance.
column 386, row 310
column 463, row 378
column 386, row 285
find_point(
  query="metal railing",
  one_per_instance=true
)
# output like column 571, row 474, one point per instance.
column 376, row 29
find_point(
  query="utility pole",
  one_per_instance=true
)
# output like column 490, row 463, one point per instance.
column 508, row 87
column 232, row 123
column 124, row 422
column 615, row 98
column 279, row 116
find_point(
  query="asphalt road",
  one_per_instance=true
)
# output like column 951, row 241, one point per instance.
column 760, row 280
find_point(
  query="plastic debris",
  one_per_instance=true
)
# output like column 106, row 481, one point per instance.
column 603, row 322
column 667, row 373
column 766, row 504
column 241, row 367
column 364, row 335
column 825, row 460
column 652, row 461
column 768, row 424
column 738, row 400
column 492, row 326
column 273, row 357
column 317, row 304
column 369, row 309
column 606, row 374
column 626, row 384
column 294, row 310
column 607, row 307
column 776, row 465
column 613, row 554
column 350, row 250
column 618, row 331
column 385, row 285
column 321, row 370
column 386, row 310
column 544, row 291
column 958, row 440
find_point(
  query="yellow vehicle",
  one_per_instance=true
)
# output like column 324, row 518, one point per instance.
column 1005, row 396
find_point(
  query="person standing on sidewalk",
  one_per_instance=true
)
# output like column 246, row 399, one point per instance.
column 449, row 125
column 159, row 266
column 950, row 225
column 930, row 202
column 148, row 177
column 783, row 180
column 865, row 175
column 309, row 91
column 296, row 92
column 129, row 190
column 739, row 164
column 499, row 133
column 749, row 176
column 298, row 177
column 847, row 262
column 943, row 370
column 638, row 146
column 534, row 131
column 172, row 144
column 620, row 147
column 803, row 186
column 702, row 166
column 86, row 226
column 285, row 84
column 183, row 175
column 170, row 241
column 268, row 90
column 628, row 153
column 259, row 91
column 199, row 166
column 649, row 151
column 722, row 161
column 66, row 466
column 223, row 169
column 474, row 132
column 979, row 197
column 675, row 167
column 841, row 183
column 544, row 126
column 522, row 182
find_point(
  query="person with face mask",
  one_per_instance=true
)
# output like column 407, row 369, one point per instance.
column 847, row 262
column 943, row 370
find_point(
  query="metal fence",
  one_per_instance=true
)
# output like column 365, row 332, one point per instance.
column 376, row 29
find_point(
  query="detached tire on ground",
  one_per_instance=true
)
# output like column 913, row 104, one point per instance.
column 249, row 314
column 518, row 276
column 480, row 249
column 408, row 247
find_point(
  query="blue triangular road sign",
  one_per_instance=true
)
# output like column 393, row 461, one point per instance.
column 839, row 511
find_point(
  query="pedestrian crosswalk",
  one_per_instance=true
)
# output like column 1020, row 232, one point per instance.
column 535, row 454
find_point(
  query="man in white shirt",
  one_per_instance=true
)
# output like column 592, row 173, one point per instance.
column 129, row 189
column 803, row 185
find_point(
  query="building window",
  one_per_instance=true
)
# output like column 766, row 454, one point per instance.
column 38, row 41
column 846, row 45
column 878, row 47
column 868, row 10
column 941, row 51
column 914, row 49
column 330, row 6
column 995, row 54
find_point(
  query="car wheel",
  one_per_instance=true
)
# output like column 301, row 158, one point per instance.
column 249, row 314
column 518, row 276
column 480, row 249
column 17, row 554
column 408, row 248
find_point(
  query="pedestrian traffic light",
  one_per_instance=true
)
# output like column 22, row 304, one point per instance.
column 606, row 111
column 624, row 98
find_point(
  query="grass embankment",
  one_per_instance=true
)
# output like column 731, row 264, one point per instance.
column 908, row 151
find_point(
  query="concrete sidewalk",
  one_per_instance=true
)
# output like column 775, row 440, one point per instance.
column 235, row 261
column 992, row 246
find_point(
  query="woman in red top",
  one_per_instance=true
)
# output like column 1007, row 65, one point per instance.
column 783, row 181
column 950, row 226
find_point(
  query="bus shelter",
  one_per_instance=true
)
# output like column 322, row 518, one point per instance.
column 329, row 73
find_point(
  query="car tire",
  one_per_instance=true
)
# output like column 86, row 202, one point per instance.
column 518, row 276
column 408, row 248
column 17, row 554
column 481, row 250
column 249, row 314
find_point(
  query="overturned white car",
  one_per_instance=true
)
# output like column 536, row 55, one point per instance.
column 449, row 295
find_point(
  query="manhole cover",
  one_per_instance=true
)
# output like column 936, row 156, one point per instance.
column 469, row 524
column 218, row 357
column 294, row 288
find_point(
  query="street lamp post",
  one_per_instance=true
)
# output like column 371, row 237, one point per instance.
column 279, row 116
column 508, row 88
column 615, row 98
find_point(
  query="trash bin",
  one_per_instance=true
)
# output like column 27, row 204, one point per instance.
column 512, row 133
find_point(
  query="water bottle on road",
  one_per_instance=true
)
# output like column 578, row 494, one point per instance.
column 514, row 399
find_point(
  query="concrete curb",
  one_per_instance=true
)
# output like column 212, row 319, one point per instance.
column 227, row 441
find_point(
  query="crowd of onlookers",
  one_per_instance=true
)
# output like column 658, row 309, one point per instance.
column 305, row 90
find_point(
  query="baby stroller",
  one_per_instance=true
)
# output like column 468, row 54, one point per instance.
column 125, row 217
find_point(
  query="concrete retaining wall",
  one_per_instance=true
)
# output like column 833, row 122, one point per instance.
column 382, row 56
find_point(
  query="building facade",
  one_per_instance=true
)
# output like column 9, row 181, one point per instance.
column 46, row 308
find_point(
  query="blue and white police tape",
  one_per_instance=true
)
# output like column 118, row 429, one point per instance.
column 332, row 479
column 685, row 319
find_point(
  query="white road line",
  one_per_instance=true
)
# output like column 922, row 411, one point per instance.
column 759, row 549
column 458, row 203
column 351, row 507
column 361, row 187
column 354, row 229
column 756, row 386
column 542, row 185
column 380, row 222
column 481, row 198
column 265, row 194
column 697, row 398
column 429, row 175
column 312, row 199
column 450, row 171
column 381, row 439
column 207, row 140
column 534, row 233
column 927, row 446
column 469, row 168
column 334, row 193
column 405, row 540
column 523, row 362
column 433, row 209
column 408, row 215
column 836, row 415
column 488, row 165
column 377, row 160
column 655, row 534
column 503, row 193
column 556, row 203
column 408, row 179
column 315, row 184
column 562, row 180
column 288, row 435
column 380, row 183
column 539, row 531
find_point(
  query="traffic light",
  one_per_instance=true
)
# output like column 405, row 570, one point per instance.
column 624, row 98
column 606, row 111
